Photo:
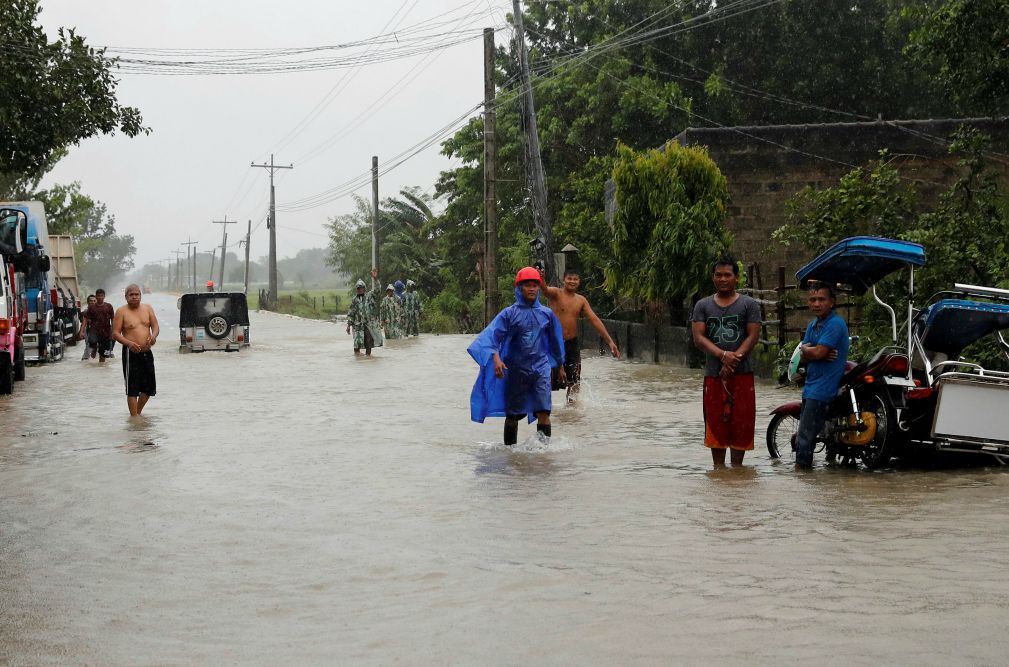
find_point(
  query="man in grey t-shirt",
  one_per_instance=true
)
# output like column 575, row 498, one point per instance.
column 726, row 327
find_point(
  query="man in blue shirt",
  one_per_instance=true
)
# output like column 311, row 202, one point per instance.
column 825, row 351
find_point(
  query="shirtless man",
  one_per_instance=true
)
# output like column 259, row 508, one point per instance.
column 568, row 305
column 136, row 327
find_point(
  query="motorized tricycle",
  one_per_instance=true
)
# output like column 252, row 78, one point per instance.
column 863, row 420
column 960, row 406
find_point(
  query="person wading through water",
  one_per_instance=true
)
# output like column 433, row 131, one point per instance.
column 568, row 305
column 515, row 354
column 726, row 327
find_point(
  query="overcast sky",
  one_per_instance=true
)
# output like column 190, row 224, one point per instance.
column 194, row 166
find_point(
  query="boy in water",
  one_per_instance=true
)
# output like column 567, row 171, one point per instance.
column 568, row 305
column 516, row 353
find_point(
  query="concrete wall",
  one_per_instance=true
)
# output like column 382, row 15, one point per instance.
column 653, row 344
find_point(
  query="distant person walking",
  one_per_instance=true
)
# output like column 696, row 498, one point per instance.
column 390, row 314
column 726, row 327
column 362, row 315
column 515, row 354
column 568, row 305
column 99, row 323
column 412, row 309
column 85, row 331
column 136, row 327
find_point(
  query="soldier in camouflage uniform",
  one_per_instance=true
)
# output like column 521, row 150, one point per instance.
column 390, row 314
column 412, row 309
column 362, row 315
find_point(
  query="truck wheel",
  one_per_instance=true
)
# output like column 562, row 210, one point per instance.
column 72, row 342
column 19, row 365
column 56, row 344
column 6, row 374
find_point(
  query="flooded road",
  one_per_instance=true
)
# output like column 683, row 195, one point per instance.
column 292, row 504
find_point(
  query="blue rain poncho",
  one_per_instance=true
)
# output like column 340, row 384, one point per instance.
column 529, row 341
column 400, row 288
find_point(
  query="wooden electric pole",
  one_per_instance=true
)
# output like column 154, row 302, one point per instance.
column 534, row 163
column 191, row 264
column 489, row 174
column 248, row 235
column 224, row 247
column 374, row 220
column 178, row 268
column 271, row 223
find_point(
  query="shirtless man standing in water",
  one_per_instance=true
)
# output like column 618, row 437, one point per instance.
column 568, row 305
column 136, row 327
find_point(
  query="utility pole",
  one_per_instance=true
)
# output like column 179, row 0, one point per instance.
column 271, row 223
column 248, row 235
column 191, row 265
column 534, row 163
column 167, row 277
column 489, row 174
column 374, row 220
column 178, row 268
column 224, row 245
column 213, row 261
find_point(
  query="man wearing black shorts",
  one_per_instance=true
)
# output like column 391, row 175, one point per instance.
column 136, row 327
column 568, row 305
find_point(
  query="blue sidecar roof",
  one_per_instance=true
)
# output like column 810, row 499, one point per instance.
column 953, row 324
column 860, row 262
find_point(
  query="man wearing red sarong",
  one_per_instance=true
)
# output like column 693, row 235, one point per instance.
column 726, row 327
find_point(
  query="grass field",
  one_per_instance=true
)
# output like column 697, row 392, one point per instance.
column 317, row 304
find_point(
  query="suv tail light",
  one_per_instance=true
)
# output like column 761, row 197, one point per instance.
column 53, row 298
column 5, row 326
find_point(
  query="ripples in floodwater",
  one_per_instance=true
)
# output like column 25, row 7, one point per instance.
column 292, row 504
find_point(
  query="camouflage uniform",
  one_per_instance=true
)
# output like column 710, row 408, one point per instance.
column 362, row 313
column 391, row 317
column 412, row 309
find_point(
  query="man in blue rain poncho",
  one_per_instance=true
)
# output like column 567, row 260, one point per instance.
column 516, row 353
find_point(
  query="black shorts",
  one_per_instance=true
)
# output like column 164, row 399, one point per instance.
column 138, row 371
column 572, row 366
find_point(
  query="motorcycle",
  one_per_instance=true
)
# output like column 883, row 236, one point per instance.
column 862, row 422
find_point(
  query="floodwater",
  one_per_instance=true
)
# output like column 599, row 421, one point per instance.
column 294, row 505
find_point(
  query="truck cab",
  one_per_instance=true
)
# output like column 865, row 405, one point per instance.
column 13, row 304
column 43, row 337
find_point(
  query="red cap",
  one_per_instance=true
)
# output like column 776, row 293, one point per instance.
column 210, row 283
column 528, row 273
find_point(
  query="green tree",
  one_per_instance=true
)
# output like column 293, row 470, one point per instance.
column 349, row 249
column 668, row 227
column 52, row 95
column 964, row 45
column 101, row 253
column 965, row 235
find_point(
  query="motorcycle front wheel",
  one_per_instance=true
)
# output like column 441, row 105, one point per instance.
column 781, row 434
column 877, row 453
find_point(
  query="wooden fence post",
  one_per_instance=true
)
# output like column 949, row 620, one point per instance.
column 781, row 307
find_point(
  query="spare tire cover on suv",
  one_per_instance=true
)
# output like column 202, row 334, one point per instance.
column 218, row 326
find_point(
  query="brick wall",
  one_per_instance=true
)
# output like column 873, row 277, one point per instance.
column 765, row 166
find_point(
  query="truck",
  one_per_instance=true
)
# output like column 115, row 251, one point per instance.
column 67, row 296
column 13, row 301
column 46, row 318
